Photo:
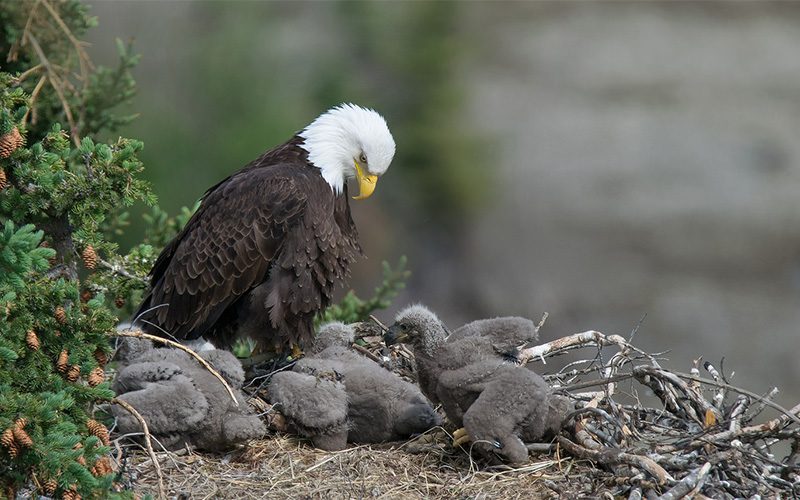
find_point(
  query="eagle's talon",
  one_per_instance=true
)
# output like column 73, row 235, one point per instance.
column 297, row 353
column 460, row 437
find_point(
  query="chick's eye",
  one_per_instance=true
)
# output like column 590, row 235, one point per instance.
column 404, row 327
column 362, row 158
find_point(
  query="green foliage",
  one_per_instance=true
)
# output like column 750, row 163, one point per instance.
column 64, row 197
column 243, row 348
column 30, row 385
column 353, row 309
column 40, row 40
column 161, row 228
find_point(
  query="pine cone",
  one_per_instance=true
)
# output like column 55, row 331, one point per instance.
column 101, row 357
column 13, row 450
column 99, row 430
column 21, row 437
column 21, row 422
column 9, row 142
column 7, row 438
column 96, row 377
column 73, row 373
column 32, row 340
column 102, row 467
column 3, row 179
column 71, row 494
column 89, row 257
column 60, row 315
column 119, row 302
column 50, row 487
column 86, row 296
column 8, row 441
column 61, row 363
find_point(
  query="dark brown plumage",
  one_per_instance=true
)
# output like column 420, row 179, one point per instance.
column 268, row 245
column 272, row 237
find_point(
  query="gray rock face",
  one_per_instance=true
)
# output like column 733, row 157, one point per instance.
column 648, row 163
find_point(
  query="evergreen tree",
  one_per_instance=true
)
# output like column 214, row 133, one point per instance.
column 61, row 198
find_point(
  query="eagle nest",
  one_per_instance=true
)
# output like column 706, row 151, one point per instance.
column 639, row 430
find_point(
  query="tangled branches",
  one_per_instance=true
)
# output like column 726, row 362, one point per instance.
column 683, row 435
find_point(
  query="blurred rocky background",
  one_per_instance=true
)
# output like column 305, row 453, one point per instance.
column 599, row 161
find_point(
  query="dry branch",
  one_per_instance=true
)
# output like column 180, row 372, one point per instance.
column 162, row 493
column 612, row 457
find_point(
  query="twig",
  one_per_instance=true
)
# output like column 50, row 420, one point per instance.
column 691, row 482
column 83, row 58
column 587, row 338
column 378, row 322
column 366, row 352
column 719, row 397
column 162, row 492
column 542, row 321
column 141, row 335
column 55, row 82
column 117, row 269
column 787, row 414
column 32, row 109
column 25, row 74
column 615, row 457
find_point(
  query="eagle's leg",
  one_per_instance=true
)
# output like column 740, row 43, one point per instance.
column 297, row 353
column 460, row 437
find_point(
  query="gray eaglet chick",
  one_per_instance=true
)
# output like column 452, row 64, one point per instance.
column 315, row 406
column 181, row 401
column 514, row 406
column 491, row 343
column 381, row 405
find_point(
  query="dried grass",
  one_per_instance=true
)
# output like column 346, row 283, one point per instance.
column 286, row 467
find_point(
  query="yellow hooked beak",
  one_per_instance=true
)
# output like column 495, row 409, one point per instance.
column 366, row 183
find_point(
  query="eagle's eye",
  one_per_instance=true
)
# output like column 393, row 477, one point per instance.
column 362, row 158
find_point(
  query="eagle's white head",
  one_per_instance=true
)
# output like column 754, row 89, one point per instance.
column 347, row 142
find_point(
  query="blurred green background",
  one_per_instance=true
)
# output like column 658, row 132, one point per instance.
column 596, row 160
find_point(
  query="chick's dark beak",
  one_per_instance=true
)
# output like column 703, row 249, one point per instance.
column 394, row 335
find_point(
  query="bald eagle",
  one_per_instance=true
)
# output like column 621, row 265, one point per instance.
column 268, row 245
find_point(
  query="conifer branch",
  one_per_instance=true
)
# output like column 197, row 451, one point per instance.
column 117, row 269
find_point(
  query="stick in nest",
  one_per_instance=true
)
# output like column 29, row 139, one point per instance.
column 614, row 457
column 162, row 493
column 141, row 335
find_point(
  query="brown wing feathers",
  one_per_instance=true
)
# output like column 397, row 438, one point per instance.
column 277, row 227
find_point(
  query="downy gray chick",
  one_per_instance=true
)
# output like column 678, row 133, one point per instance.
column 182, row 402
